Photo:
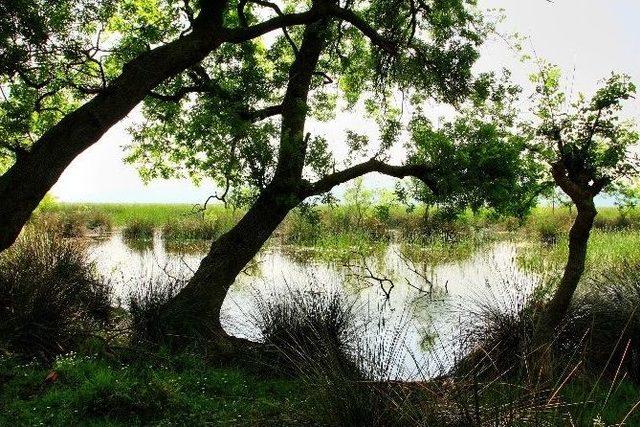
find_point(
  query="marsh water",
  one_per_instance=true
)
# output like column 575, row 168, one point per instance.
column 409, row 307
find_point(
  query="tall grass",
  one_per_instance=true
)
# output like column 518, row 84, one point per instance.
column 356, row 381
column 139, row 229
column 193, row 228
column 607, row 249
column 147, row 311
column 74, row 223
column 606, row 316
column 51, row 298
column 307, row 327
column 158, row 214
column 591, row 360
column 316, row 335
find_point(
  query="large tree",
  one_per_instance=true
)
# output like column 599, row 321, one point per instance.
column 250, row 134
column 71, row 69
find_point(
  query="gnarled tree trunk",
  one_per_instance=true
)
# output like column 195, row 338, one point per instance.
column 582, row 195
column 196, row 309
column 578, row 241
column 202, row 298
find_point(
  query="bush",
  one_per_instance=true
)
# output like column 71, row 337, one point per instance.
column 98, row 222
column 497, row 336
column 51, row 298
column 317, row 336
column 309, row 329
column 601, row 331
column 604, row 322
column 147, row 310
column 549, row 227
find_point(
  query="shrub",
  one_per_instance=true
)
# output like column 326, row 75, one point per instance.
column 98, row 221
column 601, row 331
column 318, row 335
column 498, row 332
column 309, row 329
column 147, row 310
column 51, row 298
column 549, row 227
column 604, row 322
column 302, row 227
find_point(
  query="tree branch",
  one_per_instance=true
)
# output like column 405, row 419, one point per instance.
column 421, row 172
column 238, row 35
column 261, row 114
column 351, row 17
column 278, row 12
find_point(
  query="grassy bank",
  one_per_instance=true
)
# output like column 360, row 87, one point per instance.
column 184, row 390
column 606, row 250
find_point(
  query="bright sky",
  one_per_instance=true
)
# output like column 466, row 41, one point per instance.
column 587, row 38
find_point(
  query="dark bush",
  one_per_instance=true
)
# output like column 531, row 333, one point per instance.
column 148, row 311
column 309, row 329
column 604, row 322
column 51, row 298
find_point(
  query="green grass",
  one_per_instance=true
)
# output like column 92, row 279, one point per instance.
column 181, row 390
column 124, row 213
column 607, row 249
column 437, row 251
column 139, row 229
column 193, row 228
column 186, row 390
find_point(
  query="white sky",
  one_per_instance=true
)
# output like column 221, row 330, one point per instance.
column 587, row 38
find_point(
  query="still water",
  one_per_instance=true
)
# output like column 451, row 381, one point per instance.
column 429, row 304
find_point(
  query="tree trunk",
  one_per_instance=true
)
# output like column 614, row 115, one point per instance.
column 199, row 303
column 196, row 309
column 578, row 241
column 33, row 174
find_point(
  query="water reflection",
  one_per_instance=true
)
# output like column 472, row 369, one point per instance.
column 426, row 302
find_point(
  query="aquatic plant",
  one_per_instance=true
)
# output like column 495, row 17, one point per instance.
column 139, row 229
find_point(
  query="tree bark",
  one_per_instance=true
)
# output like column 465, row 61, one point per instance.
column 33, row 174
column 582, row 195
column 579, row 234
column 196, row 308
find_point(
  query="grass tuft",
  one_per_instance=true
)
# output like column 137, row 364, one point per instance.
column 51, row 298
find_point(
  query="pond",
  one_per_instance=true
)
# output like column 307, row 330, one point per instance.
column 408, row 307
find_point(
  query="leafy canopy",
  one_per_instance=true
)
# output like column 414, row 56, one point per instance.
column 587, row 137
column 207, row 122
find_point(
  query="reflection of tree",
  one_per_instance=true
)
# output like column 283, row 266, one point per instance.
column 360, row 269
column 362, row 272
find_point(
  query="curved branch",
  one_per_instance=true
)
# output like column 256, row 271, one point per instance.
column 317, row 11
column 351, row 17
column 422, row 172
column 242, row 34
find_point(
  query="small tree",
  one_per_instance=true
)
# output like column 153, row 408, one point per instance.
column 587, row 148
